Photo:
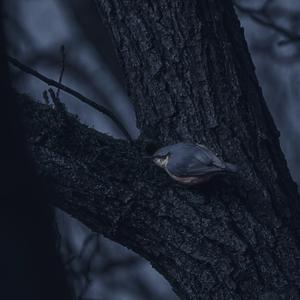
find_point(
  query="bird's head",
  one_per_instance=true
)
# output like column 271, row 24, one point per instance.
column 161, row 157
column 161, row 161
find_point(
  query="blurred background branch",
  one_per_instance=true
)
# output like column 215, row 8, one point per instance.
column 267, row 16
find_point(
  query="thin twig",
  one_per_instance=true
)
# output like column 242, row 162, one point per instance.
column 60, row 107
column 72, row 92
column 63, row 58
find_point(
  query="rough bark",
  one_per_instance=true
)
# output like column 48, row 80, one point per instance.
column 191, row 78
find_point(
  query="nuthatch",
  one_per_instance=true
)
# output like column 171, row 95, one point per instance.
column 191, row 163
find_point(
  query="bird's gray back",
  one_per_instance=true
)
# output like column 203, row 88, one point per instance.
column 193, row 160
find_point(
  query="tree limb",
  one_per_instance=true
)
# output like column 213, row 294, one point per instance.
column 72, row 92
column 108, row 186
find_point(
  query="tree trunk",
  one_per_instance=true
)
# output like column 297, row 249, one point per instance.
column 191, row 78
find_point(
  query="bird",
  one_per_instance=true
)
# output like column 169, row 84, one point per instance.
column 190, row 163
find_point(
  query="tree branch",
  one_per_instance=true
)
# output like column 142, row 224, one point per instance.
column 72, row 92
column 108, row 186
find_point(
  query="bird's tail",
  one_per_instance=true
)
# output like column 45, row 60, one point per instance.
column 231, row 168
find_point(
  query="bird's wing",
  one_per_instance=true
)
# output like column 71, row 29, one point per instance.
column 209, row 157
column 200, row 162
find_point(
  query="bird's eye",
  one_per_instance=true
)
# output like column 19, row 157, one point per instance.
column 158, row 160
